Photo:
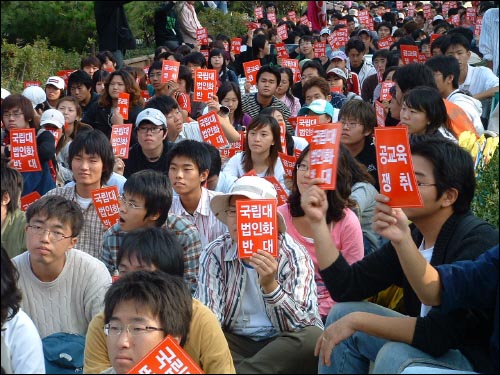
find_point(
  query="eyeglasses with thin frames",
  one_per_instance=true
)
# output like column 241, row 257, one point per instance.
column 14, row 115
column 350, row 125
column 150, row 130
column 424, row 184
column 115, row 330
column 53, row 235
column 302, row 167
column 129, row 204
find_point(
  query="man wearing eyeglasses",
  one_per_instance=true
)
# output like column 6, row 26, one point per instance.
column 63, row 287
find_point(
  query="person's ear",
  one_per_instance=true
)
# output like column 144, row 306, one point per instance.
column 5, row 199
column 73, row 242
column 204, row 175
column 449, row 197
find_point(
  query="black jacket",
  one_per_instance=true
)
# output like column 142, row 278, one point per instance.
column 112, row 26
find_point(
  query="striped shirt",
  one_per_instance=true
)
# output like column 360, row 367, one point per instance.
column 203, row 218
column 251, row 106
column 222, row 278
column 186, row 234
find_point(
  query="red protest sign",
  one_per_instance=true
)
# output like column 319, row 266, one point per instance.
column 340, row 38
column 29, row 199
column 395, row 167
column 64, row 74
column 386, row 42
column 120, row 139
column 305, row 125
column 319, row 49
column 234, row 147
column 478, row 26
column 202, row 36
column 167, row 357
column 236, row 46
column 211, row 130
column 455, row 20
column 336, row 89
column 385, row 91
column 226, row 46
column 258, row 12
column 470, row 16
column 251, row 172
column 282, row 134
column 281, row 50
column 145, row 95
column 272, row 17
column 434, row 37
column 205, row 84
column 293, row 64
column 24, row 151
column 123, row 104
column 169, row 70
column 257, row 220
column 251, row 69
column 106, row 205
column 427, row 11
column 411, row 10
column 288, row 162
column 32, row 83
column 56, row 133
column 409, row 54
column 422, row 58
column 282, row 32
column 379, row 111
column 325, row 145
column 252, row 25
column 282, row 195
column 399, row 5
column 292, row 16
column 205, row 53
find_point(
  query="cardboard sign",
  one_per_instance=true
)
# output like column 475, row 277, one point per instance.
column 434, row 37
column 288, row 162
column 120, row 139
column 455, row 20
column 272, row 17
column 319, row 49
column 258, row 12
column 56, row 133
column 293, row 64
column 281, row 50
column 251, row 68
column 205, row 84
column 409, row 54
column 123, row 104
column 257, row 220
column 202, row 36
column 32, row 83
column 106, row 205
column 282, row 135
column 282, row 195
column 236, row 46
column 282, row 32
column 24, row 151
column 323, row 161
column 292, row 16
column 64, row 74
column 340, row 38
column 478, row 26
column 29, row 199
column 205, row 53
column 385, row 91
column 252, row 25
column 169, row 71
column 234, row 147
column 211, row 130
column 379, row 111
column 305, row 125
column 470, row 16
column 386, row 42
column 395, row 167
column 167, row 357
column 427, row 11
column 145, row 95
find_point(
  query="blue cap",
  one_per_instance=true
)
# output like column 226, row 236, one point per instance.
column 318, row 106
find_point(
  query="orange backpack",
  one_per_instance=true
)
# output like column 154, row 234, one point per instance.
column 459, row 121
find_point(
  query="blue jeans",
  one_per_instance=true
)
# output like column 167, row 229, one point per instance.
column 353, row 355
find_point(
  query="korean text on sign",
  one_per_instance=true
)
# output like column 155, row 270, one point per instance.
column 409, row 54
column 123, row 104
column 167, row 357
column 395, row 167
column 169, row 71
column 288, row 162
column 202, row 36
column 385, row 91
column 305, row 125
column 323, row 160
column 251, row 69
column 205, row 84
column 281, row 50
column 28, row 199
column 319, row 49
column 211, row 130
column 293, row 64
column 234, row 147
column 236, row 45
column 257, row 222
column 106, row 205
column 24, row 151
column 120, row 139
column 282, row 194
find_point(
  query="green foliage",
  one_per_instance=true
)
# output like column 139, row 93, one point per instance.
column 485, row 202
column 140, row 16
column 33, row 62
column 231, row 24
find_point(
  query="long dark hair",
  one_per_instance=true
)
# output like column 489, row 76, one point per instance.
column 224, row 89
column 11, row 294
column 131, row 87
column 289, row 73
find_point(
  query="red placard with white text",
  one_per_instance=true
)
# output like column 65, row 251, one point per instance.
column 202, row 36
column 470, row 16
column 305, row 125
column 427, row 11
column 395, row 167
column 64, row 74
column 205, row 53
column 251, row 69
column 234, row 147
column 386, row 42
column 32, row 83
column 170, row 70
column 120, row 139
column 258, row 12
column 272, row 17
column 478, row 26
column 106, row 205
column 282, row 32
column 323, row 160
column 282, row 195
column 379, row 111
column 282, row 135
column 167, row 357
column 385, row 91
column 236, row 46
column 205, row 84
column 211, row 130
column 281, row 50
column 409, row 54
column 257, row 222
column 288, row 162
column 56, row 133
column 319, row 49
column 293, row 64
column 123, row 104
column 399, row 5
column 24, row 150
column 29, row 199
column 340, row 38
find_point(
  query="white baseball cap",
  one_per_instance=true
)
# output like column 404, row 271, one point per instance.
column 5, row 93
column 35, row 94
column 152, row 115
column 55, row 81
column 52, row 117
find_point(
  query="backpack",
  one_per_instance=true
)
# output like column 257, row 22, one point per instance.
column 63, row 353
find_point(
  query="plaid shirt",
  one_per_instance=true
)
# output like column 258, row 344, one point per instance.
column 90, row 238
column 186, row 234
column 291, row 307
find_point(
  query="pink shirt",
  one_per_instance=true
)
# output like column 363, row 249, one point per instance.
column 347, row 237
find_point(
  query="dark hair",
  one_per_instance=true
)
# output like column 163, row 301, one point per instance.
column 319, row 82
column 215, row 160
column 270, row 69
column 289, row 74
column 384, row 24
column 12, row 184
column 94, row 142
column 163, row 103
column 464, row 31
column 156, row 65
column 164, row 296
column 224, row 89
column 77, row 126
column 338, row 199
column 438, row 24
column 163, row 56
column 186, row 75
column 195, row 58
column 265, row 21
column 455, row 39
column 359, row 171
column 159, row 50
column 413, row 75
column 183, row 50
column 258, row 42
column 314, row 64
column 258, row 123
column 388, row 70
column 218, row 52
column 103, row 55
column 99, row 76
column 155, row 188
column 192, row 150
column 79, row 77
column 131, row 87
column 290, row 143
column 428, row 100
column 90, row 60
column 11, row 295
column 446, row 65
column 382, row 53
column 361, row 111
column 153, row 246
column 354, row 43
column 452, row 167
column 21, row 102
column 60, row 208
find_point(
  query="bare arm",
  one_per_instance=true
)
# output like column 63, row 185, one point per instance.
column 486, row 94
